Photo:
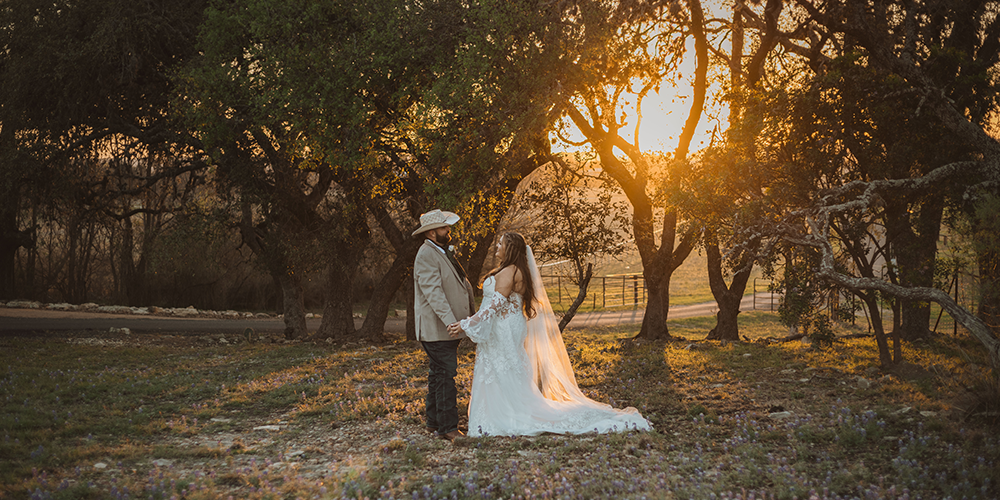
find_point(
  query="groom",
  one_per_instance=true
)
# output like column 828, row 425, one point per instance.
column 442, row 296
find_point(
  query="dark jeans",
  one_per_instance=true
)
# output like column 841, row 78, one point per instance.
column 442, row 396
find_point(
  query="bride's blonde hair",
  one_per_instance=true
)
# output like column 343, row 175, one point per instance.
column 516, row 254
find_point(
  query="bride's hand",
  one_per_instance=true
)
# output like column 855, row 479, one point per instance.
column 455, row 330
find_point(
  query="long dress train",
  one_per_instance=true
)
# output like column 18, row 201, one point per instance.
column 522, row 382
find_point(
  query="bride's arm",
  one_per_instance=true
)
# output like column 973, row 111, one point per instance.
column 478, row 326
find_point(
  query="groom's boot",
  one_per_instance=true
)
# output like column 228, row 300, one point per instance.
column 451, row 436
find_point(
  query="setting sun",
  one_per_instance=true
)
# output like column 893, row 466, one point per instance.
column 663, row 115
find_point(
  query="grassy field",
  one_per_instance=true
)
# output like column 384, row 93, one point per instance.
column 101, row 415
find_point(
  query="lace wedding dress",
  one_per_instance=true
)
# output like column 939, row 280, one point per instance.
column 523, row 384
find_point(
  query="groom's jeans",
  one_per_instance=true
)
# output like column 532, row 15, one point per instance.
column 442, row 396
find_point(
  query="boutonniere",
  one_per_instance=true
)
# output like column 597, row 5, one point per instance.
column 451, row 249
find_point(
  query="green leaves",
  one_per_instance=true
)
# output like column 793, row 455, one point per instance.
column 576, row 220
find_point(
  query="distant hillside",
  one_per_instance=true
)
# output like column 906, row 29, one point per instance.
column 689, row 284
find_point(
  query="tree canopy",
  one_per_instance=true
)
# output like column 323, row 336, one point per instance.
column 319, row 131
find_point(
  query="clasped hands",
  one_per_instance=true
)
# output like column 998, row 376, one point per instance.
column 455, row 330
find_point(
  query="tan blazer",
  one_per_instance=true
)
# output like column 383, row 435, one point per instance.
column 441, row 295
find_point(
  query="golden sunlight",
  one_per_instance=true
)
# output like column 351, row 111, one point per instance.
column 663, row 117
column 664, row 113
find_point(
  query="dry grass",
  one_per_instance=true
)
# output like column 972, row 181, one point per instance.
column 168, row 416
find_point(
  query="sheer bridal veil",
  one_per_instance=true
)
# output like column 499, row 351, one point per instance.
column 551, row 369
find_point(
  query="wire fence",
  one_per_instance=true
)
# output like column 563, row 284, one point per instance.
column 763, row 298
column 629, row 291
column 604, row 292
column 615, row 292
column 961, row 286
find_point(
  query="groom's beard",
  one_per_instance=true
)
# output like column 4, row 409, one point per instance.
column 442, row 240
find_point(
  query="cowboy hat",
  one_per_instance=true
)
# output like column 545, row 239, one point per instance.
column 434, row 219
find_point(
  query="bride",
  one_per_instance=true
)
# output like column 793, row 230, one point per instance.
column 523, row 383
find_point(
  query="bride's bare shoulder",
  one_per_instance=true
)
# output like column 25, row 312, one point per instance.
column 512, row 280
column 506, row 275
column 505, row 280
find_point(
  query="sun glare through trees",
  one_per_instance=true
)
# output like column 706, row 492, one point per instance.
column 272, row 160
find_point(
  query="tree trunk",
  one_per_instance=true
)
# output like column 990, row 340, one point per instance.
column 338, row 308
column 293, row 306
column 654, row 321
column 897, row 338
column 655, row 270
column 870, row 300
column 976, row 327
column 131, row 273
column 477, row 259
column 658, row 261
column 820, row 239
column 984, row 215
column 80, row 237
column 31, row 259
column 293, row 309
column 864, row 262
column 989, row 286
column 135, row 289
column 11, row 239
column 374, row 324
column 411, row 323
column 729, row 297
column 915, row 250
column 400, row 274
column 267, row 246
column 580, row 296
column 8, row 252
column 726, row 326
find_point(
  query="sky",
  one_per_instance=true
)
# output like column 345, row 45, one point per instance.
column 664, row 114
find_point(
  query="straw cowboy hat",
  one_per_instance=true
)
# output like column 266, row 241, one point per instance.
column 434, row 219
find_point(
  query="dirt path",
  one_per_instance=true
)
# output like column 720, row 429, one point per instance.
column 14, row 321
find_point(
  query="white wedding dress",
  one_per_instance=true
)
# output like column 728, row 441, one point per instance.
column 523, row 384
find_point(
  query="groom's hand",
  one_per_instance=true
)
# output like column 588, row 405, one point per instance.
column 455, row 330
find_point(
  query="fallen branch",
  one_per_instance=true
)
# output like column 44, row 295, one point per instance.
column 818, row 217
column 792, row 338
